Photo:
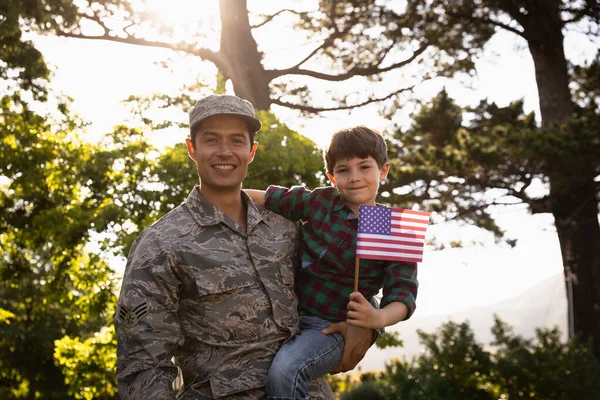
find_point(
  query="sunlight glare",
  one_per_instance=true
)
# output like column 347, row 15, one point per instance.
column 183, row 11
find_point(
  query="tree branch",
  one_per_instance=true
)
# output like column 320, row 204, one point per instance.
column 315, row 110
column 205, row 54
column 590, row 9
column 373, row 69
column 487, row 20
column 325, row 43
column 272, row 17
column 514, row 10
column 542, row 205
column 385, row 52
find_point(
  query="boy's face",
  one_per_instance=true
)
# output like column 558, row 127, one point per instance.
column 358, row 179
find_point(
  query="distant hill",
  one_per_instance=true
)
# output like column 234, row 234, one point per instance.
column 543, row 305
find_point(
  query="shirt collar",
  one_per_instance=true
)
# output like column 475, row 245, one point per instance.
column 206, row 214
column 340, row 203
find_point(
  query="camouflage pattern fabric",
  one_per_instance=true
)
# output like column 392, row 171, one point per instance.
column 218, row 299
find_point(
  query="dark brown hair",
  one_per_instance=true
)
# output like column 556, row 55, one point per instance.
column 358, row 141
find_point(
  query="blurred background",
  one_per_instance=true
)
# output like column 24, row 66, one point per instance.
column 491, row 113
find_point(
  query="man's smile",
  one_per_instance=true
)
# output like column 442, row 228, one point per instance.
column 224, row 167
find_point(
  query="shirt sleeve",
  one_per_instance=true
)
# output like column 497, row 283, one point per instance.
column 400, row 284
column 293, row 203
column 147, row 323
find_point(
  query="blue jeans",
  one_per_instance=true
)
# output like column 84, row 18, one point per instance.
column 306, row 356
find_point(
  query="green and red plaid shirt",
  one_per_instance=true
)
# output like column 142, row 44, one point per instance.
column 325, row 278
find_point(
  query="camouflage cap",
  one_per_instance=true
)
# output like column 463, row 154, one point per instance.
column 223, row 104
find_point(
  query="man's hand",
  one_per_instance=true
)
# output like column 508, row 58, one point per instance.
column 356, row 343
column 362, row 314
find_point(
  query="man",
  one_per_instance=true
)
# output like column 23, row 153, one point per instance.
column 210, row 284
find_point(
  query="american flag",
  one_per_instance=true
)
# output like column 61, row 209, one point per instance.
column 391, row 233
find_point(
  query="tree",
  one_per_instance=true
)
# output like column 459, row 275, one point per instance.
column 89, row 365
column 239, row 58
column 544, row 367
column 451, row 167
column 55, row 193
column 454, row 366
column 22, row 62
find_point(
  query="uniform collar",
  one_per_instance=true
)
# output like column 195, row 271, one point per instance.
column 206, row 214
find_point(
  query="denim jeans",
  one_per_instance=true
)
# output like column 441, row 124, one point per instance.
column 306, row 356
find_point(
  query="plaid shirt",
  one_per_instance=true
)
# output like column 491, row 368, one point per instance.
column 327, row 255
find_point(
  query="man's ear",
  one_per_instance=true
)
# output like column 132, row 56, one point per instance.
column 252, row 152
column 383, row 171
column 190, row 148
column 331, row 178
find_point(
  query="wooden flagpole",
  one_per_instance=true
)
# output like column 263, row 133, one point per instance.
column 356, row 274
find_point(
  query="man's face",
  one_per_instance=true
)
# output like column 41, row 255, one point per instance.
column 222, row 152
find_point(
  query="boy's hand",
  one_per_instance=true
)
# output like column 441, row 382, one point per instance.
column 362, row 314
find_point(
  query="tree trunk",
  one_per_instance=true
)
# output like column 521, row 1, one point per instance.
column 241, row 61
column 572, row 188
column 575, row 211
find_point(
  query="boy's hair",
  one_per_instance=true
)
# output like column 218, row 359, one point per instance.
column 358, row 141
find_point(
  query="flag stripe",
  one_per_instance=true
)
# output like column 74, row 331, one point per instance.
column 418, row 218
column 407, row 228
column 410, row 236
column 412, row 212
column 394, row 256
column 387, row 248
column 403, row 219
column 401, row 241
column 391, row 245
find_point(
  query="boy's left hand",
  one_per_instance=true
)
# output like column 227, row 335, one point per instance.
column 361, row 313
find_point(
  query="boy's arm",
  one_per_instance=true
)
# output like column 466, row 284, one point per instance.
column 399, row 298
column 257, row 196
column 400, row 285
column 294, row 203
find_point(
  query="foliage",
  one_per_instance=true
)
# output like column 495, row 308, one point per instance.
column 53, row 195
column 455, row 367
column 21, row 61
column 89, row 366
column 356, row 41
column 459, row 169
column 284, row 157
column 363, row 391
column 390, row 339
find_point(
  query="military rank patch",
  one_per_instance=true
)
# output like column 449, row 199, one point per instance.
column 130, row 318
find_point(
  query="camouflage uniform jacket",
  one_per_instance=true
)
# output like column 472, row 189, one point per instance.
column 218, row 299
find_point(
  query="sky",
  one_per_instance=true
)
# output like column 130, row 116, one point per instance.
column 98, row 75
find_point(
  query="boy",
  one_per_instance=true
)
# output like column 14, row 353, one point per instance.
column 356, row 162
